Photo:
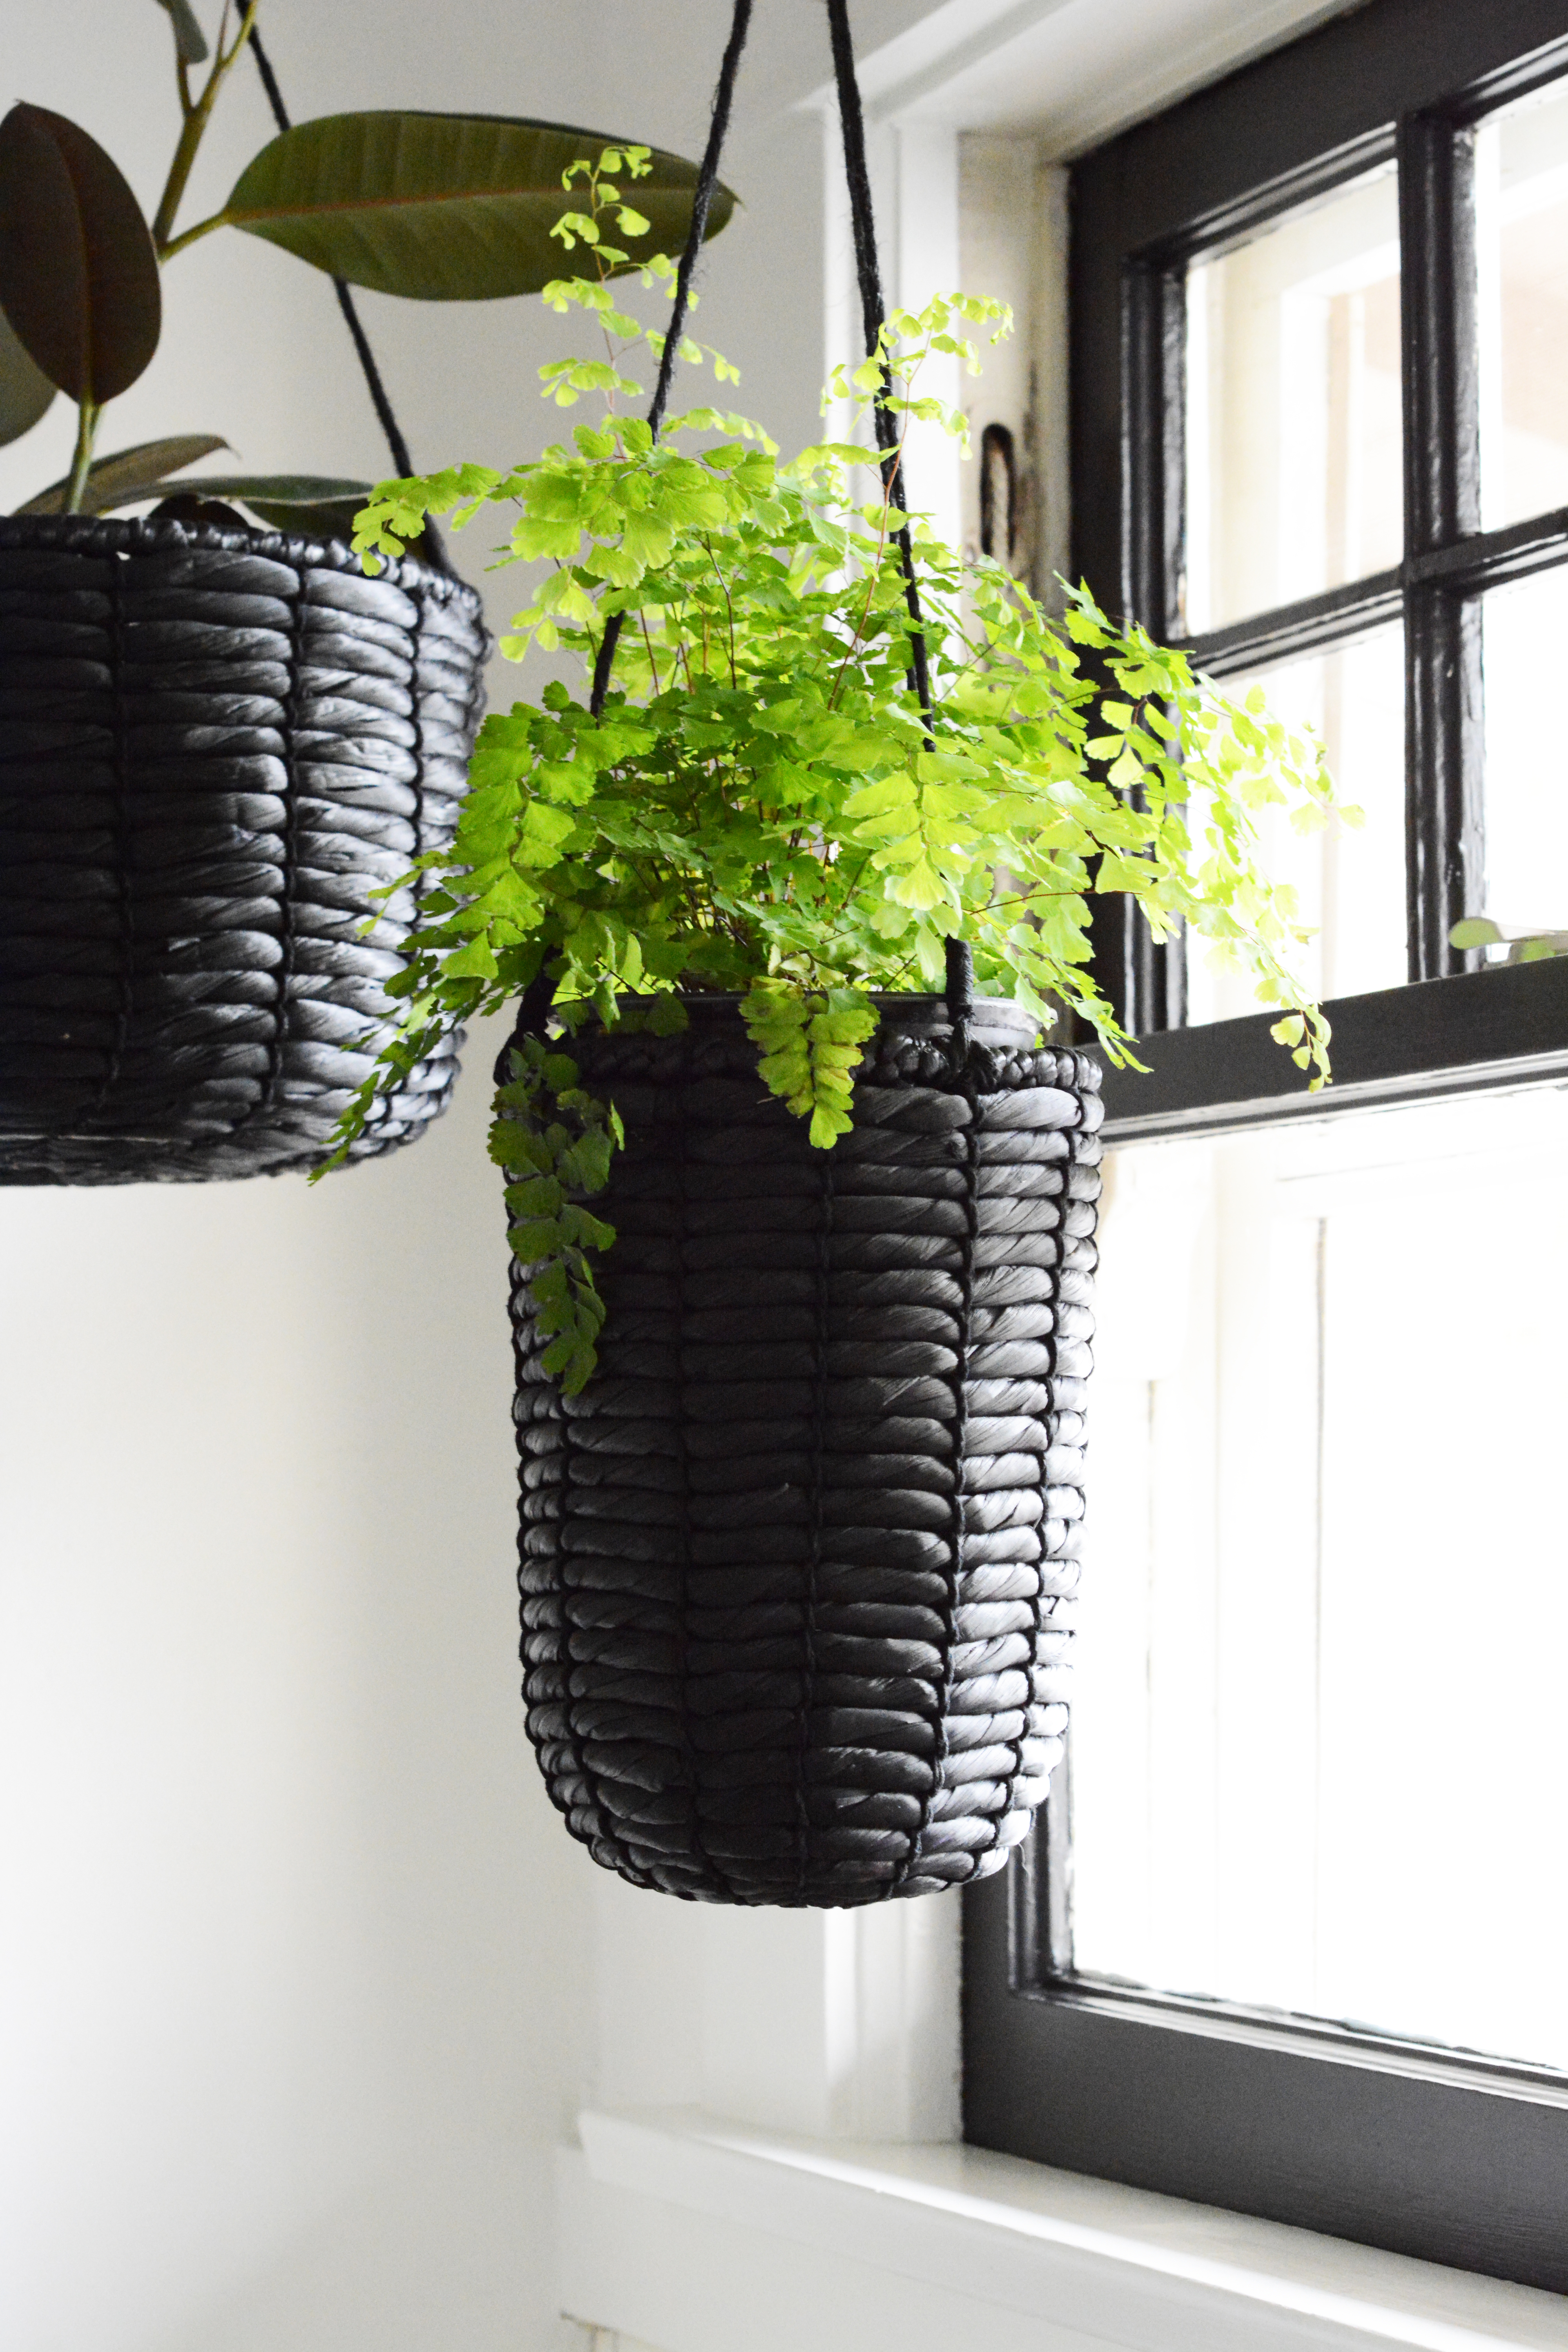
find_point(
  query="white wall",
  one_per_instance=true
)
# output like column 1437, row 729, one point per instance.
column 290, row 1936
column 295, row 1966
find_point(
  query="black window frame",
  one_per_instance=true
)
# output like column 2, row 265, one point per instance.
column 1438, row 2154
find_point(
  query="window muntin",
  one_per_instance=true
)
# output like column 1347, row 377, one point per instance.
column 1317, row 1715
column 1293, row 454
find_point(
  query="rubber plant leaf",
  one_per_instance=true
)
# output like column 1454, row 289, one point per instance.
column 130, row 475
column 24, row 390
column 329, row 520
column 78, row 279
column 445, row 207
column 190, row 41
column 315, row 506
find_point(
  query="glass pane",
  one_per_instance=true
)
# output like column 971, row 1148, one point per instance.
column 1294, row 441
column 1525, row 628
column 1350, row 885
column 1521, row 287
column 1317, row 1761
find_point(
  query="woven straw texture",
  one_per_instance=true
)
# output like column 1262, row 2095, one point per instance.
column 214, row 743
column 797, row 1565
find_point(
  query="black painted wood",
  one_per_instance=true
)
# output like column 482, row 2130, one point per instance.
column 1398, row 78
column 1446, row 866
column 1481, row 1030
column 1314, row 113
column 1144, row 978
column 1153, row 380
column 1305, row 627
column 1430, row 2153
column 1416, row 2152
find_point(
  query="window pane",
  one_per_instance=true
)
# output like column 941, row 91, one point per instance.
column 1350, row 885
column 1294, row 465
column 1521, row 272
column 1525, row 628
column 1317, row 1761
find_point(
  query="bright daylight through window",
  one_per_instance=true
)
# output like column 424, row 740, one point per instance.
column 1317, row 1686
column 1303, row 1748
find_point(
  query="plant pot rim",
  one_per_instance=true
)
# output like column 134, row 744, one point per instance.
column 990, row 1012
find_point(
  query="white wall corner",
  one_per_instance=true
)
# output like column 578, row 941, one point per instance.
column 1012, row 247
column 838, row 2024
column 913, row 170
column 1049, row 385
column 834, row 2024
column 924, row 250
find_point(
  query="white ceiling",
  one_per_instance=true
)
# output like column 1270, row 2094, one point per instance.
column 1073, row 71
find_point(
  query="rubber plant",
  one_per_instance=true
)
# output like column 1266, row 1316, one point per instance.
column 434, row 207
column 765, row 801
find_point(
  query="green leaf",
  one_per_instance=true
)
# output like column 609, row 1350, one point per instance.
column 327, row 520
column 540, row 1197
column 1475, row 931
column 539, row 1238
column 190, row 42
column 24, row 390
column 284, row 489
column 315, row 506
column 439, row 207
column 78, row 279
column 130, row 475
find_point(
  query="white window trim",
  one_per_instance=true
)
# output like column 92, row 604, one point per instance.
column 701, row 2236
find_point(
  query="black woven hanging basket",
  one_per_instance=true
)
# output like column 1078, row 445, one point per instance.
column 214, row 744
column 797, row 1565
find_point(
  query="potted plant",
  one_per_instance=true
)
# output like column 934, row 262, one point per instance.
column 802, row 1227
column 220, row 735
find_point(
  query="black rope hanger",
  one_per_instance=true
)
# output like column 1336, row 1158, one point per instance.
column 703, row 196
column 959, row 984
column 346, row 303
column 873, row 313
column 959, row 973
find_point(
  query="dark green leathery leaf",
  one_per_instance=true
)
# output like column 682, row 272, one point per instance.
column 190, row 41
column 318, row 506
column 441, row 207
column 25, row 391
column 130, row 475
column 78, row 279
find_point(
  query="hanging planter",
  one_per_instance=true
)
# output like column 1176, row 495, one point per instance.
column 797, row 1564
column 223, row 745
column 801, row 1285
column 214, row 744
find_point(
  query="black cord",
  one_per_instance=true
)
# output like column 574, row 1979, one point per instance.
column 959, row 975
column 533, row 1009
column 873, row 312
column 346, row 303
column 703, row 196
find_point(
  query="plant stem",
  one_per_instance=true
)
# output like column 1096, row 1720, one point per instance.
column 86, row 417
column 188, row 237
column 189, row 139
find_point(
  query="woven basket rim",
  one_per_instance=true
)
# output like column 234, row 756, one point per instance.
column 715, row 1003
column 995, row 1023
column 166, row 534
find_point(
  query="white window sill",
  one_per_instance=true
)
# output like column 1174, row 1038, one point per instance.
column 701, row 2236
